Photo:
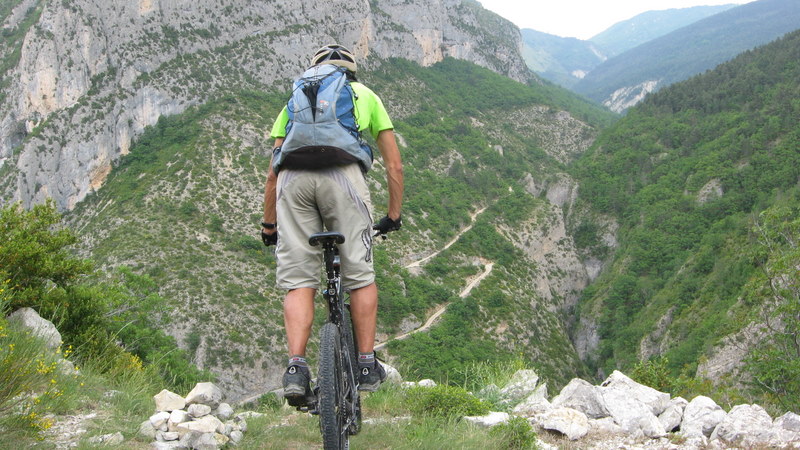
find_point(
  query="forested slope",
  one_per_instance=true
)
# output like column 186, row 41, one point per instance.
column 687, row 174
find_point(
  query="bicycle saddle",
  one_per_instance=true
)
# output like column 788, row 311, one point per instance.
column 326, row 237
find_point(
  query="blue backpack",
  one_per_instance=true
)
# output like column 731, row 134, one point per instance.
column 322, row 130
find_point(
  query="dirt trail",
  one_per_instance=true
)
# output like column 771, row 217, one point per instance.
column 473, row 216
column 442, row 308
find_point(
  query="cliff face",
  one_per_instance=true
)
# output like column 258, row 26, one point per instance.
column 91, row 75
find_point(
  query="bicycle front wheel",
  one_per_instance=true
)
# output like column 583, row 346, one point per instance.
column 331, row 382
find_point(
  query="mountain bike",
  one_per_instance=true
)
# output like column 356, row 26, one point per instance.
column 337, row 400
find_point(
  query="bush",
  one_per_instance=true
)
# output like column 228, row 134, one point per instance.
column 31, row 383
column 517, row 433
column 654, row 373
column 444, row 401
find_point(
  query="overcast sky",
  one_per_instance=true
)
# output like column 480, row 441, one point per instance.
column 583, row 18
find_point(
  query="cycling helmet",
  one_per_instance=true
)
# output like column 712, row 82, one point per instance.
column 335, row 54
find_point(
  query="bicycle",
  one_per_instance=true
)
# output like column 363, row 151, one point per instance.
column 337, row 403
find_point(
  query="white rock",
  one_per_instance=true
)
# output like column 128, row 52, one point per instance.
column 177, row 417
column 700, row 417
column 224, row 411
column 789, row 422
column 108, row 439
column 570, row 422
column 168, row 436
column 747, row 426
column 236, row 437
column 221, row 439
column 228, row 428
column 605, row 426
column 655, row 400
column 168, row 401
column 492, row 419
column 541, row 445
column 197, row 410
column 422, row 383
column 42, row 328
column 522, row 384
column 581, row 395
column 630, row 412
column 205, row 424
column 159, row 445
column 159, row 420
column 206, row 394
column 392, row 374
column 147, row 430
column 201, row 441
column 672, row 416
column 788, row 428
column 242, row 424
column 536, row 403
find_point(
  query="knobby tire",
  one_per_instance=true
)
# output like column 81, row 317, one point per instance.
column 352, row 365
column 332, row 414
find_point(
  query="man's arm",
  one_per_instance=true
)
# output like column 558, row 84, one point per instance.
column 270, row 189
column 394, row 171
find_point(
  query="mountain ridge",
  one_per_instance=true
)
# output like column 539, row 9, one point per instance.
column 622, row 81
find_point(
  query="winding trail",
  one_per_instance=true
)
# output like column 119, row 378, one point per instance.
column 472, row 217
column 442, row 308
column 488, row 266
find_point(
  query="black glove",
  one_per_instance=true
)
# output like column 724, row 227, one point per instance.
column 269, row 239
column 386, row 225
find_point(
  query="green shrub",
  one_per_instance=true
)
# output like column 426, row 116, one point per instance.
column 517, row 433
column 654, row 373
column 32, row 383
column 270, row 402
column 444, row 401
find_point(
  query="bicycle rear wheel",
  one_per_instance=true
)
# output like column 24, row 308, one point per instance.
column 352, row 396
column 331, row 382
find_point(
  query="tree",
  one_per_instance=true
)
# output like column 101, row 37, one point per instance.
column 775, row 363
column 34, row 255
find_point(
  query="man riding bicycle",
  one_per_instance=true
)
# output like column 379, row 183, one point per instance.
column 302, row 198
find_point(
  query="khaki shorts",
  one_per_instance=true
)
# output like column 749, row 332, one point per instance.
column 310, row 201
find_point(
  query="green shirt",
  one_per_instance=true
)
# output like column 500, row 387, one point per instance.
column 369, row 111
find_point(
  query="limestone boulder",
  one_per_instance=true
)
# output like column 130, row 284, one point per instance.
column 492, row 419
column 224, row 411
column 168, row 401
column 746, row 426
column 536, row 403
column 672, row 416
column 522, row 384
column 40, row 327
column 581, row 395
column 205, row 394
column 655, row 400
column 570, row 422
column 701, row 416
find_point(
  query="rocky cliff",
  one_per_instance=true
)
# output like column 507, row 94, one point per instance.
column 86, row 77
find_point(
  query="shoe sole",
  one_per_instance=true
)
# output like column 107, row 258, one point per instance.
column 369, row 387
column 295, row 395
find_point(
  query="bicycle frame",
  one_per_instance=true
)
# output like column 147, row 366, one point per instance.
column 348, row 401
